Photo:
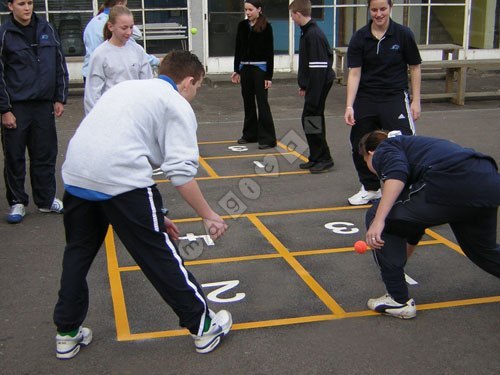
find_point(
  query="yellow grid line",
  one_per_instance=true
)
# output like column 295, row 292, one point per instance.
column 444, row 241
column 245, row 156
column 121, row 318
column 118, row 297
column 269, row 256
column 208, row 168
column 332, row 305
column 299, row 156
column 241, row 176
column 312, row 318
column 218, row 142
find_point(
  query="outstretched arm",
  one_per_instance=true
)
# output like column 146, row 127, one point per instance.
column 392, row 190
column 192, row 194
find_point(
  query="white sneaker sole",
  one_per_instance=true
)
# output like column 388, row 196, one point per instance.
column 76, row 349
column 216, row 340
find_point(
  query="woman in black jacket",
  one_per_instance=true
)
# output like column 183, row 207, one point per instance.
column 253, row 67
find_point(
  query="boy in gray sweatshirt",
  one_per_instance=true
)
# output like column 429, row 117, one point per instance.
column 135, row 127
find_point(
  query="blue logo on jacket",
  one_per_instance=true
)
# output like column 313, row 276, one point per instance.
column 395, row 47
column 44, row 37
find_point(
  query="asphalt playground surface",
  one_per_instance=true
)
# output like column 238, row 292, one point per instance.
column 285, row 269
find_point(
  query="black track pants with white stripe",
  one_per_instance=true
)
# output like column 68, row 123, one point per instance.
column 385, row 113
column 475, row 229
column 137, row 220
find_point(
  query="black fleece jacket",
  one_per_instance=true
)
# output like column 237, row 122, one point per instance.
column 254, row 46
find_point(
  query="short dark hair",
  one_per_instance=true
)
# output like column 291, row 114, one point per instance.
column 370, row 141
column 301, row 6
column 181, row 64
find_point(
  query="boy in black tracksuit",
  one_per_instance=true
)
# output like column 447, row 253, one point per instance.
column 33, row 88
column 315, row 79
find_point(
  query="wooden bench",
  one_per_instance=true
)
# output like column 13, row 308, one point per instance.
column 165, row 31
column 447, row 51
column 457, row 70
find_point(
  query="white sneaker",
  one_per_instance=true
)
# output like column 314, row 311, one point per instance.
column 16, row 214
column 221, row 325
column 364, row 196
column 386, row 305
column 57, row 207
column 67, row 347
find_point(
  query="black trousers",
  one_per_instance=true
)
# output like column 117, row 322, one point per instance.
column 391, row 114
column 36, row 132
column 256, row 128
column 474, row 228
column 137, row 219
column 313, row 118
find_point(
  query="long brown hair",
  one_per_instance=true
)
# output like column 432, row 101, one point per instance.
column 114, row 13
column 261, row 23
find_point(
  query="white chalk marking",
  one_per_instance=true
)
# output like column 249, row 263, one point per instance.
column 410, row 281
column 191, row 237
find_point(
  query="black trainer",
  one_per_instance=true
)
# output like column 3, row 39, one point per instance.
column 321, row 166
column 266, row 147
column 307, row 165
column 243, row 141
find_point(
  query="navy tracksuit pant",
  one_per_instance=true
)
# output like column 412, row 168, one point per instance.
column 475, row 230
column 313, row 123
column 256, row 128
column 137, row 219
column 36, row 132
column 383, row 113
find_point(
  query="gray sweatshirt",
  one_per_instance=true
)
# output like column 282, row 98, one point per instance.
column 110, row 65
column 135, row 127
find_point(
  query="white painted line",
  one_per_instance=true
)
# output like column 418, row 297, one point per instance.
column 259, row 164
column 410, row 281
column 208, row 240
column 191, row 237
column 238, row 148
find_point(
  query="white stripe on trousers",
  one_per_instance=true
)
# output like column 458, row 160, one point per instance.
column 408, row 113
column 174, row 253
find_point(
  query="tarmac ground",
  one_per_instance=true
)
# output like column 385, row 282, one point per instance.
column 286, row 268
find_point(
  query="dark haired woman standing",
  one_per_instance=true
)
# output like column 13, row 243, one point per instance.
column 253, row 67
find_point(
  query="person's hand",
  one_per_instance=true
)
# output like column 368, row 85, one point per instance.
column 374, row 235
column 58, row 109
column 9, row 120
column 349, row 116
column 172, row 229
column 302, row 92
column 214, row 226
column 268, row 84
column 415, row 110
column 235, row 78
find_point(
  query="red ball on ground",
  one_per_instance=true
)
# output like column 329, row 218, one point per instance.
column 360, row 246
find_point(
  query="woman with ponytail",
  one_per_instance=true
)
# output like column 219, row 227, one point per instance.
column 117, row 59
column 93, row 36
column 253, row 68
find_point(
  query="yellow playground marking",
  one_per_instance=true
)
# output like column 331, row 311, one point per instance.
column 337, row 312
